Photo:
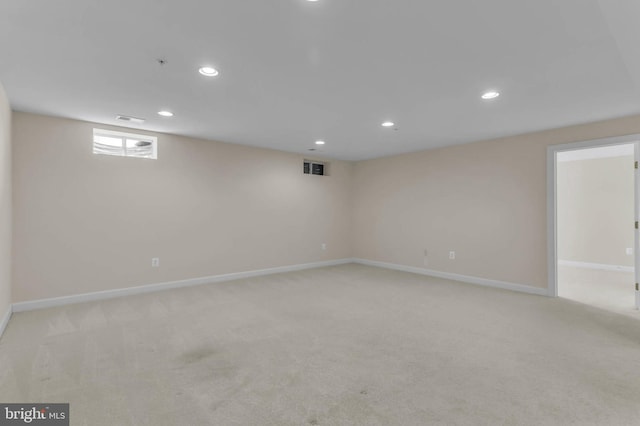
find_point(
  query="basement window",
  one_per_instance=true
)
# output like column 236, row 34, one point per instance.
column 314, row 168
column 109, row 142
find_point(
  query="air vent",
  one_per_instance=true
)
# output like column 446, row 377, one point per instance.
column 314, row 168
column 129, row 119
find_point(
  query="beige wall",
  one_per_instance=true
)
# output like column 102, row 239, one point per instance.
column 486, row 201
column 5, row 204
column 595, row 210
column 86, row 223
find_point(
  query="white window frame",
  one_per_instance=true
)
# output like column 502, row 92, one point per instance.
column 124, row 136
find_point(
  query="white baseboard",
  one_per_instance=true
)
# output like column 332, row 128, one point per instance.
column 149, row 288
column 5, row 321
column 457, row 277
column 130, row 291
column 598, row 266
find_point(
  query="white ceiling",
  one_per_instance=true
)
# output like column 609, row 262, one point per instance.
column 294, row 71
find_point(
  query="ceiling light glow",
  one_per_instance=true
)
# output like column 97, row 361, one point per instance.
column 165, row 113
column 208, row 71
column 319, row 142
column 388, row 124
column 492, row 94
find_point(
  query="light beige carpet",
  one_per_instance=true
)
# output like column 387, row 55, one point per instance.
column 609, row 290
column 346, row 345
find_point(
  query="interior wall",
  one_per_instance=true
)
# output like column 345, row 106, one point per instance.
column 595, row 210
column 86, row 223
column 5, row 204
column 486, row 201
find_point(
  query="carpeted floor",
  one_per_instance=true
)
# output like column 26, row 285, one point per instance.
column 344, row 345
column 610, row 290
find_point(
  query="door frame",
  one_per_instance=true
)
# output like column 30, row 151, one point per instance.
column 636, row 205
column 552, row 225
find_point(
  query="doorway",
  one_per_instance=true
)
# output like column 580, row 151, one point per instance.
column 593, row 207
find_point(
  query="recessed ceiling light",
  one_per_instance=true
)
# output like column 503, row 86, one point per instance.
column 388, row 124
column 209, row 71
column 492, row 94
column 165, row 113
column 319, row 142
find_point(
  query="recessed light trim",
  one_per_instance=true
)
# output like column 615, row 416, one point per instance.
column 165, row 113
column 209, row 71
column 388, row 124
column 491, row 94
column 319, row 142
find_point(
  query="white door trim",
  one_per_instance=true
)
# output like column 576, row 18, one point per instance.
column 636, row 206
column 552, row 226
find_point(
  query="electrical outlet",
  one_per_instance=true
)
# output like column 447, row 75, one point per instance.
column 155, row 262
column 426, row 258
column 323, row 246
column 452, row 255
column 629, row 251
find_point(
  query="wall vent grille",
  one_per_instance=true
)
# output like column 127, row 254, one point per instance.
column 315, row 168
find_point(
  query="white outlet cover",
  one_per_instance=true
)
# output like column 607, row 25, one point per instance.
column 629, row 251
